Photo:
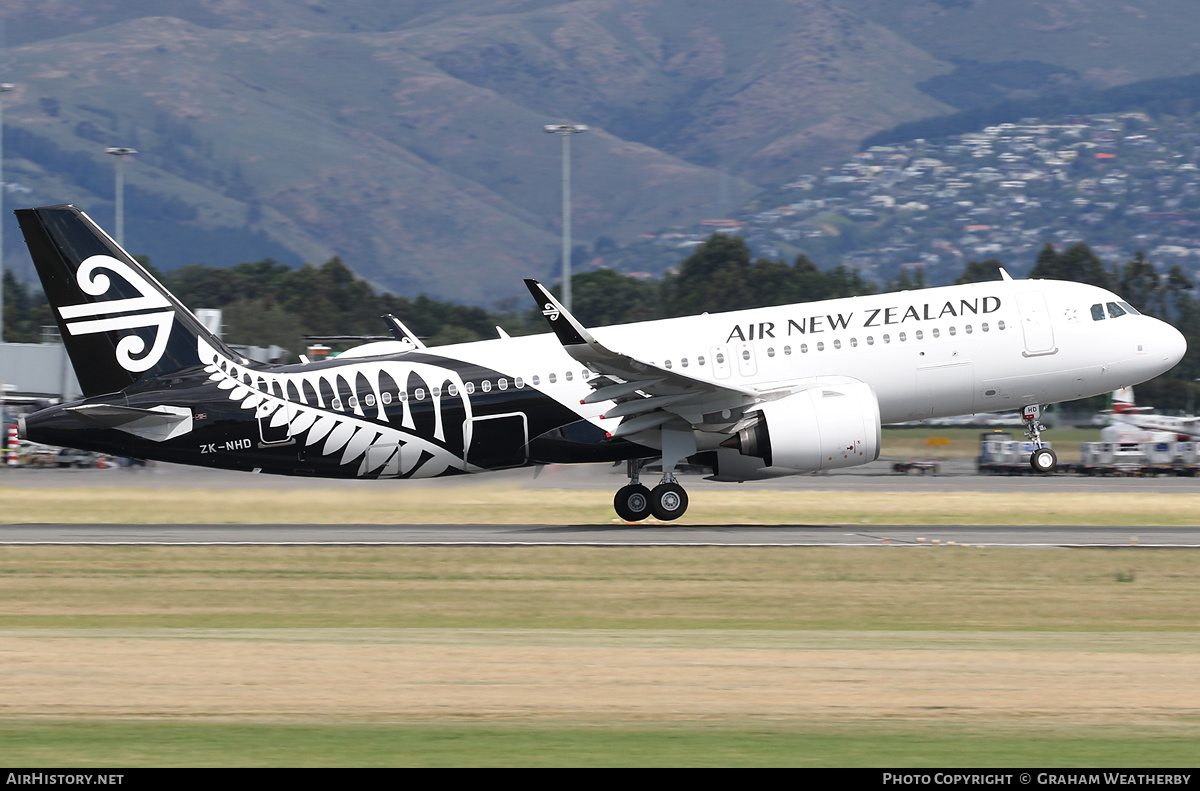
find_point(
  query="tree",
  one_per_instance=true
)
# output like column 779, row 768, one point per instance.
column 262, row 322
column 982, row 271
column 713, row 278
column 1077, row 263
column 1138, row 283
column 608, row 297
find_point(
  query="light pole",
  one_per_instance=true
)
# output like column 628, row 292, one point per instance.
column 120, row 153
column 565, row 131
column 5, row 87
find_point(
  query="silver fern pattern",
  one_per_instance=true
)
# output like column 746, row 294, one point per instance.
column 341, row 413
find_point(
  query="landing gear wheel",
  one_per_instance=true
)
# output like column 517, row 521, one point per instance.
column 1043, row 460
column 632, row 502
column 668, row 501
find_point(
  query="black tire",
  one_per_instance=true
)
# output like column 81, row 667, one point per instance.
column 632, row 502
column 1043, row 460
column 668, row 501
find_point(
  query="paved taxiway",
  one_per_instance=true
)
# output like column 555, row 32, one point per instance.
column 941, row 536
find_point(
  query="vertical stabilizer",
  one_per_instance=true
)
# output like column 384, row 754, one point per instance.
column 1122, row 401
column 119, row 324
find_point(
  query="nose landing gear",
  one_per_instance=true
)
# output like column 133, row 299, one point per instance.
column 1042, row 459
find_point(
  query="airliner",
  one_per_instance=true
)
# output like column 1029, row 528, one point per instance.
column 1125, row 414
column 748, row 395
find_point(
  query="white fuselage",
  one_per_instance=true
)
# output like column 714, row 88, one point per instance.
column 930, row 353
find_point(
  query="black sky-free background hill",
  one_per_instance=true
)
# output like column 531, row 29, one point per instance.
column 405, row 137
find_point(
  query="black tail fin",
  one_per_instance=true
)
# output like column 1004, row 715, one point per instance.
column 119, row 324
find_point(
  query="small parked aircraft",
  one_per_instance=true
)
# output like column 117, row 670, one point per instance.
column 1125, row 414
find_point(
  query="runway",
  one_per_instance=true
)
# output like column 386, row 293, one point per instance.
column 957, row 476
column 865, row 535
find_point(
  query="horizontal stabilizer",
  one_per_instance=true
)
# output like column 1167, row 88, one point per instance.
column 157, row 425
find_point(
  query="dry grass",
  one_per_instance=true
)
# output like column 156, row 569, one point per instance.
column 598, row 635
column 638, row 651
column 597, row 588
column 381, row 675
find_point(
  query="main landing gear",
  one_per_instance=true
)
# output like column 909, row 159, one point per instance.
column 1042, row 459
column 635, row 502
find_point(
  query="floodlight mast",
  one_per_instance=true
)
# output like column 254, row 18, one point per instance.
column 120, row 152
column 5, row 87
column 565, row 131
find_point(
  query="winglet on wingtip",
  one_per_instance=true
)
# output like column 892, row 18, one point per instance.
column 566, row 327
column 401, row 332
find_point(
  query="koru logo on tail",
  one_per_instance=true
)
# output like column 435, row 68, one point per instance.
column 551, row 312
column 96, row 283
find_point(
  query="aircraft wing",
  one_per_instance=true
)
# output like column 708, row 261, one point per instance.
column 646, row 395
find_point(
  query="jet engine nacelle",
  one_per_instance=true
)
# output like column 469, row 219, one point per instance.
column 820, row 428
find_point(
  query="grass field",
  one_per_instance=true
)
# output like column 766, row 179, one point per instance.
column 437, row 656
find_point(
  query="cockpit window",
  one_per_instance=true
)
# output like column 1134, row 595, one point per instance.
column 1097, row 312
column 1130, row 309
column 1115, row 310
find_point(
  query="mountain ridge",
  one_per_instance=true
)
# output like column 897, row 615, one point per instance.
column 405, row 137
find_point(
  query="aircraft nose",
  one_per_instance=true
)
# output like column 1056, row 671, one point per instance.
column 1171, row 345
